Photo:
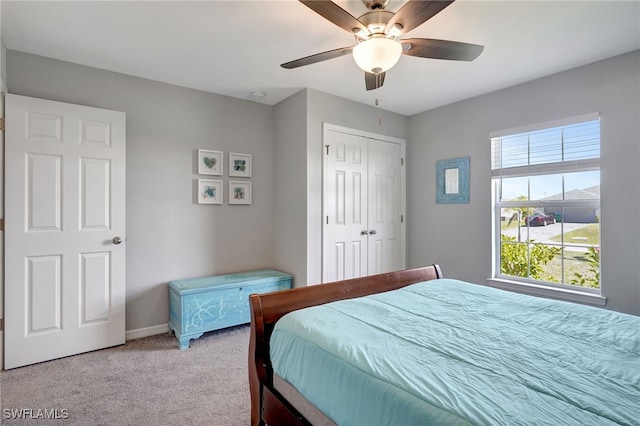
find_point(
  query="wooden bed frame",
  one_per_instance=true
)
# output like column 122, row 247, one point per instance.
column 267, row 404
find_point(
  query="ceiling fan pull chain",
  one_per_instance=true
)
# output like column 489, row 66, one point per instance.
column 379, row 110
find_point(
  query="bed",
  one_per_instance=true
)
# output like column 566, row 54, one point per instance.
column 412, row 347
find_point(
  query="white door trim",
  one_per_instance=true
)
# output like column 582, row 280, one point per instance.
column 370, row 135
column 2, row 92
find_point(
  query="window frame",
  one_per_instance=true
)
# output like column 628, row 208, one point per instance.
column 531, row 285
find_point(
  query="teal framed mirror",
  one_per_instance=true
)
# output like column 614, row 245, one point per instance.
column 452, row 181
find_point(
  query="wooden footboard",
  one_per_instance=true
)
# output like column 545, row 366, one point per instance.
column 266, row 309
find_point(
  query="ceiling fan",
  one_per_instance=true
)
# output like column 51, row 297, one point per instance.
column 378, row 34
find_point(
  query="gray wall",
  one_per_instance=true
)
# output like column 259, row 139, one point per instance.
column 298, row 164
column 168, row 235
column 324, row 108
column 290, row 166
column 458, row 236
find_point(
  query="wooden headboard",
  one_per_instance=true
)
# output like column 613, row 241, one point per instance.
column 268, row 308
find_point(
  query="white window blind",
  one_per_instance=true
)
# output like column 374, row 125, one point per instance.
column 544, row 150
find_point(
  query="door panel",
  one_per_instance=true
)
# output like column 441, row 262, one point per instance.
column 94, row 193
column 43, row 211
column 44, row 294
column 65, row 198
column 94, row 287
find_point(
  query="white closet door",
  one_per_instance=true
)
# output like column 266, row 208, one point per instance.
column 385, row 207
column 345, row 206
column 64, row 230
column 363, row 205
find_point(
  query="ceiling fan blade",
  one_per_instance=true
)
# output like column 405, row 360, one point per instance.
column 335, row 14
column 416, row 12
column 373, row 81
column 441, row 49
column 318, row 57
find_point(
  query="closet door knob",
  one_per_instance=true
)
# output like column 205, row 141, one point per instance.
column 117, row 240
column 372, row 232
column 364, row 232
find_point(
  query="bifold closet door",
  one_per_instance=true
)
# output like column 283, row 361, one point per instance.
column 363, row 206
column 384, row 243
column 345, row 206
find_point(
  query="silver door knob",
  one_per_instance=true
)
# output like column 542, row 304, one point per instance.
column 364, row 232
column 117, row 240
column 372, row 232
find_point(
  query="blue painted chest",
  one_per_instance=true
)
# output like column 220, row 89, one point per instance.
column 204, row 304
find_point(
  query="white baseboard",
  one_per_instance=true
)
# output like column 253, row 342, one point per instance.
column 146, row 331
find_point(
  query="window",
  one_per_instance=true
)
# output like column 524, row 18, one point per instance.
column 546, row 182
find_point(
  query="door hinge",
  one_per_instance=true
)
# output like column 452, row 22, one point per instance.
column 327, row 146
column 1, row 324
column 2, row 124
column 401, row 161
column 401, row 218
column 1, row 224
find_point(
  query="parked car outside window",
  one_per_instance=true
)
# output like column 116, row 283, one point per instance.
column 539, row 219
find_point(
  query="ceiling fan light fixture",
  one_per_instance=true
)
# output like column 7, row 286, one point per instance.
column 360, row 34
column 395, row 31
column 377, row 55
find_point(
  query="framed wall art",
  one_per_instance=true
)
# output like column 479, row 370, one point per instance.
column 452, row 181
column 239, row 192
column 210, row 162
column 210, row 191
column 240, row 165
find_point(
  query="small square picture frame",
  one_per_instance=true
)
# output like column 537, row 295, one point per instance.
column 239, row 192
column 240, row 165
column 210, row 162
column 210, row 191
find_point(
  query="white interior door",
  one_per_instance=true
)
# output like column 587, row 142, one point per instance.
column 345, row 206
column 385, row 208
column 363, row 205
column 64, row 216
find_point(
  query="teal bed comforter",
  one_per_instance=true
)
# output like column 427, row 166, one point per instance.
column 446, row 352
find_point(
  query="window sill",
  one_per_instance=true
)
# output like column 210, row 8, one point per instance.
column 549, row 292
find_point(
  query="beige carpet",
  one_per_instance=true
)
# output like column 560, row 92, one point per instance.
column 147, row 381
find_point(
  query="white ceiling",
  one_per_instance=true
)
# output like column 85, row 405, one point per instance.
column 235, row 48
